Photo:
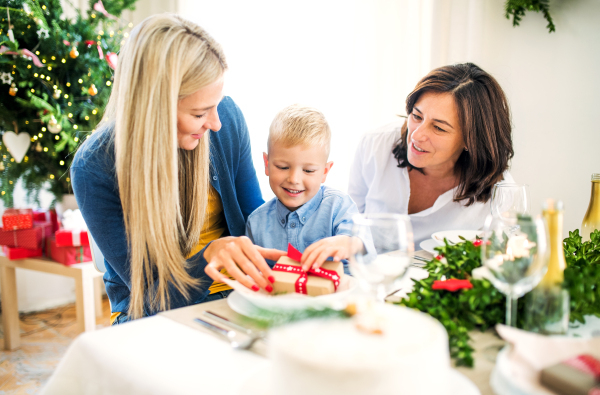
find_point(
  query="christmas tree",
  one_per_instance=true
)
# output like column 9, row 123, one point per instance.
column 55, row 80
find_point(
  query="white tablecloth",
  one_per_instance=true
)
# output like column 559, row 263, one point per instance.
column 153, row 355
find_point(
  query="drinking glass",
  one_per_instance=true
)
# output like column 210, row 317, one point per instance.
column 515, row 251
column 510, row 200
column 382, row 251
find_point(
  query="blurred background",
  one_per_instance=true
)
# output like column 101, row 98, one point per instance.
column 356, row 60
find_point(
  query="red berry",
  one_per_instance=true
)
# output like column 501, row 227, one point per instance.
column 477, row 242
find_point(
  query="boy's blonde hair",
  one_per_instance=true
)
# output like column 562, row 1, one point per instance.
column 300, row 125
column 163, row 189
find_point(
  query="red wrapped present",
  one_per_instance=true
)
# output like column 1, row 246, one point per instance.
column 26, row 238
column 68, row 255
column 13, row 219
column 71, row 238
column 47, row 216
column 21, row 253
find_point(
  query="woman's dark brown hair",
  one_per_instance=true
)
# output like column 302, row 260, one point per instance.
column 484, row 118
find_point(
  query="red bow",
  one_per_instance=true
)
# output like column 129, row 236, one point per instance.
column 451, row 285
column 301, row 282
column 586, row 363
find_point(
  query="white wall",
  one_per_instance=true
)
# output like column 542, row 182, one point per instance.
column 357, row 60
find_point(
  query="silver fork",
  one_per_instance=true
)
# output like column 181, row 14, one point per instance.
column 239, row 341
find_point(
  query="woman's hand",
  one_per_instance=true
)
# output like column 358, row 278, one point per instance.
column 240, row 257
column 338, row 247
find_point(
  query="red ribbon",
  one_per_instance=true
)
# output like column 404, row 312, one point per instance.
column 587, row 364
column 301, row 281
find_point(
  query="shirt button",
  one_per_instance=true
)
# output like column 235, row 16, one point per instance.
column 215, row 178
column 283, row 221
column 303, row 219
column 293, row 224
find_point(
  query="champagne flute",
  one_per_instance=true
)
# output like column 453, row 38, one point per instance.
column 384, row 253
column 515, row 251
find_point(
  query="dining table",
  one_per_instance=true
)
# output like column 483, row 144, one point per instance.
column 171, row 353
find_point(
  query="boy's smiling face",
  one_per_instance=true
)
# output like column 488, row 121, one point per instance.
column 296, row 173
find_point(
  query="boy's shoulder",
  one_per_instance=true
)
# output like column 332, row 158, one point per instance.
column 265, row 208
column 332, row 193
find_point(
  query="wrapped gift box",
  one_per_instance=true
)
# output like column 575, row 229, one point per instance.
column 21, row 253
column 13, row 219
column 575, row 376
column 68, row 255
column 26, row 238
column 285, row 281
column 72, row 238
column 47, row 216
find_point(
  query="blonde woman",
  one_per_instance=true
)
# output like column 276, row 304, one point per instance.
column 166, row 183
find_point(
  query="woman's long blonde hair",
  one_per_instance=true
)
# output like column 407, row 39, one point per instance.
column 163, row 189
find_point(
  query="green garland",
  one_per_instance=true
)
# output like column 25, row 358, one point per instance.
column 482, row 306
column 517, row 9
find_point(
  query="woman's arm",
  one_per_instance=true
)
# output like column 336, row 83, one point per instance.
column 357, row 187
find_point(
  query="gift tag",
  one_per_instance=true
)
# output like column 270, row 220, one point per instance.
column 17, row 144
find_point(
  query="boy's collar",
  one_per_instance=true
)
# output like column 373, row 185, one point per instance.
column 304, row 212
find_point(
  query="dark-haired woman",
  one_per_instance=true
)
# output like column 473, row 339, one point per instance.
column 439, row 165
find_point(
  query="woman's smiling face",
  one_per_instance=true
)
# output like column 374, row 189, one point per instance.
column 435, row 138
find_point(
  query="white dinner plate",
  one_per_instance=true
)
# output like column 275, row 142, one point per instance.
column 241, row 306
column 453, row 236
column 429, row 245
column 258, row 384
column 263, row 300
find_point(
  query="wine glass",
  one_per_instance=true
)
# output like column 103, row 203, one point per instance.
column 515, row 252
column 510, row 200
column 382, row 251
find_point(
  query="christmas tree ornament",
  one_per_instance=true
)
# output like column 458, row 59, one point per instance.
column 54, row 126
column 2, row 168
column 93, row 91
column 56, row 94
column 38, row 147
column 6, row 78
column 13, row 89
column 73, row 54
column 11, row 36
column 17, row 144
column 43, row 33
column 111, row 59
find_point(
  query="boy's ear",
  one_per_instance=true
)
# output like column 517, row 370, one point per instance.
column 328, row 166
column 266, row 159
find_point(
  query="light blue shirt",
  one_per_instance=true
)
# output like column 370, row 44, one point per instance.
column 328, row 213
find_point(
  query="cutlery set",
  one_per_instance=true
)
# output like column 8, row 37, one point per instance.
column 239, row 337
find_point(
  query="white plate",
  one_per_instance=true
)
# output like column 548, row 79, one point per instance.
column 241, row 306
column 453, row 235
column 258, row 384
column 265, row 301
column 429, row 245
column 503, row 381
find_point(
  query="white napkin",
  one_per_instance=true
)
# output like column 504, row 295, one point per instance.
column 531, row 352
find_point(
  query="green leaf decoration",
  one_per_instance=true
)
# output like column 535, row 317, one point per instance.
column 517, row 9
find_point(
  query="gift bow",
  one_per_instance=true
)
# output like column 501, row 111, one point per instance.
column 301, row 281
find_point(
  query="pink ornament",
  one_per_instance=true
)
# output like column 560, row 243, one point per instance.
column 111, row 59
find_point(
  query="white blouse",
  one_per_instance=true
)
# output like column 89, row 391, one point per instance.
column 378, row 185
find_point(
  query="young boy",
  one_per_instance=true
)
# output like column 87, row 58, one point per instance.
column 315, row 219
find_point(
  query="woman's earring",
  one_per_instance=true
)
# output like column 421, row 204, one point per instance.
column 466, row 149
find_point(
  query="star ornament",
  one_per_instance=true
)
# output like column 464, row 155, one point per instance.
column 43, row 32
column 451, row 285
column 6, row 78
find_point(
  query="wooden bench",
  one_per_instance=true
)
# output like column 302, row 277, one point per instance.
column 88, row 299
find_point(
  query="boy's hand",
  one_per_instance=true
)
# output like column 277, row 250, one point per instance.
column 338, row 247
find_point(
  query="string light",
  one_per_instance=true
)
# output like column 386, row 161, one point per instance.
column 75, row 127
column 62, row 162
column 68, row 179
column 43, row 130
column 46, row 150
column 49, row 68
column 40, row 135
column 80, row 81
column 94, row 111
column 35, row 74
column 87, row 118
column 51, row 175
column 108, row 83
column 69, row 104
column 70, row 115
column 53, row 58
column 68, row 84
column 56, row 138
column 75, row 139
column 64, row 60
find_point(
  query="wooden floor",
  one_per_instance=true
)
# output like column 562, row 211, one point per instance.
column 45, row 337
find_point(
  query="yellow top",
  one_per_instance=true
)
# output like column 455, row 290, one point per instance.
column 214, row 227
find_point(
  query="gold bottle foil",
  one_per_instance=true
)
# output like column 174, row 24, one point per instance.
column 591, row 220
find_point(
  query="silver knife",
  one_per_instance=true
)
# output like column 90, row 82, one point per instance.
column 226, row 321
column 213, row 327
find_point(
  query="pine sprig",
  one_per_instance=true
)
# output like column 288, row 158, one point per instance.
column 517, row 9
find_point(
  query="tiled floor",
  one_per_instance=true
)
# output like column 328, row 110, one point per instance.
column 45, row 337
